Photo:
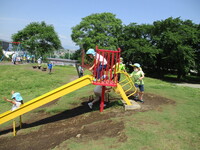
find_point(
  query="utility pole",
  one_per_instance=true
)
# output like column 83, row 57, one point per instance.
column 68, row 54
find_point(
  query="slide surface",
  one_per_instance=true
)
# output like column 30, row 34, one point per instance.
column 123, row 94
column 46, row 98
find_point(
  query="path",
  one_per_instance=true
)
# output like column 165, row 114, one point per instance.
column 188, row 85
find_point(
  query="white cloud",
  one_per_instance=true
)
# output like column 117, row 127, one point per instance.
column 62, row 36
column 67, row 42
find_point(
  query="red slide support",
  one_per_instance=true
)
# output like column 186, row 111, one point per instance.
column 105, row 71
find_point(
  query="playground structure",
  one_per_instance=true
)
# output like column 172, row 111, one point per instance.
column 12, row 48
column 109, row 78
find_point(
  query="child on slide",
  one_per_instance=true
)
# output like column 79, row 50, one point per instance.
column 17, row 100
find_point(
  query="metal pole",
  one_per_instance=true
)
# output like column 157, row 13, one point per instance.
column 77, row 70
column 14, row 130
column 102, row 98
column 20, row 121
column 68, row 54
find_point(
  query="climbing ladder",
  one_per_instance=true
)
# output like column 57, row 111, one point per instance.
column 127, row 84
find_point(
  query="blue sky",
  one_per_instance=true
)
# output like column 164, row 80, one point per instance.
column 64, row 14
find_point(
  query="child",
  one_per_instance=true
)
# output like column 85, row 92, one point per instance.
column 98, row 93
column 80, row 69
column 119, row 67
column 39, row 61
column 50, row 65
column 99, row 59
column 17, row 100
column 138, row 76
column 14, row 56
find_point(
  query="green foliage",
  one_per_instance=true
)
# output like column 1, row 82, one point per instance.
column 167, row 45
column 179, row 41
column 1, row 51
column 101, row 29
column 137, row 45
column 30, row 82
column 170, row 45
column 38, row 38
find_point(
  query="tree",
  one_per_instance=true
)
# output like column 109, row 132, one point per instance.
column 137, row 45
column 197, row 50
column 101, row 29
column 1, row 51
column 178, row 39
column 38, row 38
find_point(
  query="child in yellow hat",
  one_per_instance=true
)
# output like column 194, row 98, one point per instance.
column 138, row 76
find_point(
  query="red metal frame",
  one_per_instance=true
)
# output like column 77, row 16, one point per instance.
column 108, row 75
column 102, row 98
column 15, row 42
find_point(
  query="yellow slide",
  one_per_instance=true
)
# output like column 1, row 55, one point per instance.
column 46, row 98
column 123, row 94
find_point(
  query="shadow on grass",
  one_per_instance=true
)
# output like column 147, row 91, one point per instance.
column 108, row 105
column 64, row 115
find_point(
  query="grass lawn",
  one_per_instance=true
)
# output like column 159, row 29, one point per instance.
column 175, row 127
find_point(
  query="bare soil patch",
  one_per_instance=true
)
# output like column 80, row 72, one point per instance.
column 80, row 121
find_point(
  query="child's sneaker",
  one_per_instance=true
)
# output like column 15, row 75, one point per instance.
column 142, row 101
column 90, row 105
column 104, row 105
column 136, row 98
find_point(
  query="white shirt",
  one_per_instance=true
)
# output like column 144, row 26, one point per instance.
column 15, row 106
column 100, row 58
column 98, row 89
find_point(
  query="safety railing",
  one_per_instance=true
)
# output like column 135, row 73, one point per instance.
column 105, row 69
column 127, row 84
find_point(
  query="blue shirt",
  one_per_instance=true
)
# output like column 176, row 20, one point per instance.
column 50, row 66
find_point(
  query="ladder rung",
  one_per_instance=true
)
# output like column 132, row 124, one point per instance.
column 125, row 84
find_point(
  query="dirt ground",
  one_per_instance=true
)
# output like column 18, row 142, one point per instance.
column 78, row 123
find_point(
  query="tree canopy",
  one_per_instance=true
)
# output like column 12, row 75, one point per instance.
column 179, row 41
column 166, row 45
column 38, row 38
column 102, row 29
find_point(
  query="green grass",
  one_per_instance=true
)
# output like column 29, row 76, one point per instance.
column 30, row 82
column 176, row 127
